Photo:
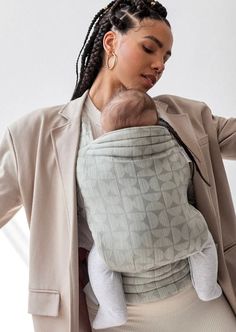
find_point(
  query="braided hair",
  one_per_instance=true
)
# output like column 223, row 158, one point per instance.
column 121, row 15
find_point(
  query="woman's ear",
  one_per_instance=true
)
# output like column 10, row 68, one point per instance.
column 109, row 42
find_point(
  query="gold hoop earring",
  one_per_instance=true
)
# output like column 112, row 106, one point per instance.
column 110, row 65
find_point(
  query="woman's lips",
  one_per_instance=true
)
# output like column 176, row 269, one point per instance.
column 150, row 80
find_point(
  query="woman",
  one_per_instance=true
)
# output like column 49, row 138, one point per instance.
column 128, row 48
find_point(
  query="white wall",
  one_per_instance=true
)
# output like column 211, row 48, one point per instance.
column 39, row 45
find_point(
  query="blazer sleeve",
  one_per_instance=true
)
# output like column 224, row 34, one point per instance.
column 10, row 197
column 226, row 132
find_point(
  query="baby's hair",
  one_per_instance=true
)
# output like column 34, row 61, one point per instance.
column 138, row 99
column 127, row 107
column 121, row 15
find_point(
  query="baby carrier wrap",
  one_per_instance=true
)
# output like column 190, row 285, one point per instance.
column 134, row 185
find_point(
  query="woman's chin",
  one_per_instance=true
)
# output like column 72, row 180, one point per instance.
column 137, row 87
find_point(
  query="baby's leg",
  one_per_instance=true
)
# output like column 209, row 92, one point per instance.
column 204, row 268
column 107, row 287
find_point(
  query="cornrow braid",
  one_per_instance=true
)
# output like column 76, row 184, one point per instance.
column 91, row 59
column 159, row 8
column 120, row 15
column 91, row 40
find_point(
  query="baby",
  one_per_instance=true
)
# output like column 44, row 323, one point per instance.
column 132, row 108
column 141, row 111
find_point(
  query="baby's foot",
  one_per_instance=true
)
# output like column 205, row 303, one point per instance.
column 210, row 294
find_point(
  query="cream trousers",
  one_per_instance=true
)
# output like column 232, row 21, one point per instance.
column 183, row 312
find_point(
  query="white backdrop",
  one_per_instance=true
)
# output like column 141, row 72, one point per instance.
column 39, row 45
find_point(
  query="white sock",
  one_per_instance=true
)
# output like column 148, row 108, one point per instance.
column 108, row 289
column 204, row 268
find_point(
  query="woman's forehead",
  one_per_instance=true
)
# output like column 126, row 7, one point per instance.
column 153, row 26
column 154, row 30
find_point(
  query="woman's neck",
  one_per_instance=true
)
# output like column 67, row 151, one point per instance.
column 102, row 89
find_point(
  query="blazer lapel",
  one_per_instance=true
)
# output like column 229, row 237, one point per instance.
column 183, row 126
column 65, row 139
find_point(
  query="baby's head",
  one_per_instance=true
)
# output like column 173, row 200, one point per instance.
column 129, row 108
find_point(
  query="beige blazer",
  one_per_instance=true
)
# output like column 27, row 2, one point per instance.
column 37, row 170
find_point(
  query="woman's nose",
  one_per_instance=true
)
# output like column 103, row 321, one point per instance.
column 159, row 66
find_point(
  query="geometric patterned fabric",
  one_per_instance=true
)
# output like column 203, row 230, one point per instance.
column 150, row 285
column 134, row 185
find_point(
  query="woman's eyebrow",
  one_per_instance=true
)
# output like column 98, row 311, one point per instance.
column 158, row 42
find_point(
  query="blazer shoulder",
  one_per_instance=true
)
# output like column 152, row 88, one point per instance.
column 177, row 101
column 42, row 118
column 198, row 111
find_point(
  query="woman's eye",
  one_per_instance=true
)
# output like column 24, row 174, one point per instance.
column 147, row 50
